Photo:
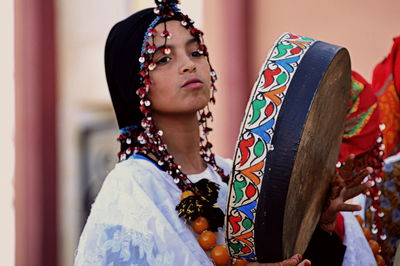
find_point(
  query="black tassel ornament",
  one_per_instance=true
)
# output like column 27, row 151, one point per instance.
column 201, row 203
column 207, row 189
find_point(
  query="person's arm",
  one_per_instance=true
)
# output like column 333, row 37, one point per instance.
column 325, row 248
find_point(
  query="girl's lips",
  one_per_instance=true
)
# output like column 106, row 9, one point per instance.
column 192, row 83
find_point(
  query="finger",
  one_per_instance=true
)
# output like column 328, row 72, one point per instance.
column 344, row 207
column 359, row 177
column 337, row 178
column 305, row 263
column 336, row 187
column 354, row 191
column 347, row 168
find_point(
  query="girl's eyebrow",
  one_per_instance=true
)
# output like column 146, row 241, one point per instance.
column 188, row 42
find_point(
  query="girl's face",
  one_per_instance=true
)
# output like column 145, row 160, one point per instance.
column 181, row 81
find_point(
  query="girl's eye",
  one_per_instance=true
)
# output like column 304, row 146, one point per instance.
column 197, row 53
column 164, row 60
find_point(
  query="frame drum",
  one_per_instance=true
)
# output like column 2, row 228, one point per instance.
column 287, row 149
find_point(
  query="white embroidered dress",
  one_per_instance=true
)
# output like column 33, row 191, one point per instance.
column 358, row 251
column 134, row 222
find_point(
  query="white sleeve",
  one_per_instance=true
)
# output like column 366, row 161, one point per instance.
column 358, row 251
column 125, row 227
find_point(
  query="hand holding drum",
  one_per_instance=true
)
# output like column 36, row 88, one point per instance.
column 287, row 150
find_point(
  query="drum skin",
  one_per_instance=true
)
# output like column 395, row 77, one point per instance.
column 287, row 149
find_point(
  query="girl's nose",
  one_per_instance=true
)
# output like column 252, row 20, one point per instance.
column 188, row 66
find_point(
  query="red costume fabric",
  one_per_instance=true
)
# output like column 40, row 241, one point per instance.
column 362, row 121
column 339, row 228
column 386, row 86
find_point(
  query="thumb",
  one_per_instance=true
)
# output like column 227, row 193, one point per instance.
column 293, row 261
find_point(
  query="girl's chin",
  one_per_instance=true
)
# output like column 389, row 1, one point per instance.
column 200, row 105
column 192, row 110
column 195, row 103
column 183, row 107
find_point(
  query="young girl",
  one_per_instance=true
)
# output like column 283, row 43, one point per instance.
column 163, row 203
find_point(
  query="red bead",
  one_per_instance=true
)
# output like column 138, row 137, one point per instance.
column 147, row 82
column 142, row 73
column 152, row 32
column 194, row 31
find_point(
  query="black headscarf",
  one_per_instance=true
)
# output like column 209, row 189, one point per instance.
column 122, row 52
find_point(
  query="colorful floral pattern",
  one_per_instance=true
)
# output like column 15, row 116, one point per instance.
column 255, row 141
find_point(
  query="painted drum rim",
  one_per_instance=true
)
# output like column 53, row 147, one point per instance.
column 252, row 150
column 302, row 89
column 278, row 62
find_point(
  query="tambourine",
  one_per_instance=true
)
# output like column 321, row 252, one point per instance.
column 287, row 149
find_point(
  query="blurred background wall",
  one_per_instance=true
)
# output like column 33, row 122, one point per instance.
column 84, row 103
column 240, row 34
column 36, row 151
column 87, row 128
column 82, row 129
column 7, row 119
